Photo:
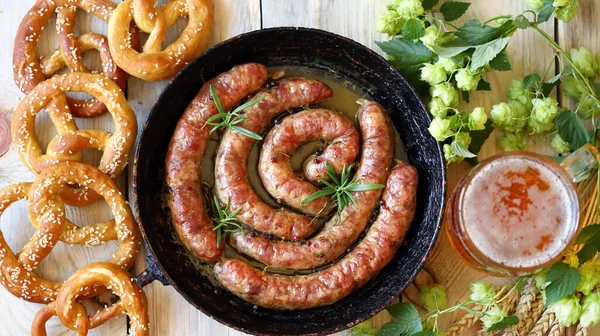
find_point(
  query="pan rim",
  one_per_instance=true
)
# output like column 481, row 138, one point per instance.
column 135, row 171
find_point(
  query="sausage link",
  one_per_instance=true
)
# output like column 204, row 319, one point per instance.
column 186, row 149
column 283, row 140
column 231, row 178
column 342, row 230
column 325, row 287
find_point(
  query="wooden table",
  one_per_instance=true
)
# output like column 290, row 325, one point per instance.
column 169, row 313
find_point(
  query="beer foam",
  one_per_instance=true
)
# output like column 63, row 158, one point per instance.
column 521, row 232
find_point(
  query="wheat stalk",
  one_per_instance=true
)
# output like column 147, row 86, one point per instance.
column 507, row 305
column 524, row 307
column 581, row 331
column 465, row 322
column 556, row 329
column 543, row 324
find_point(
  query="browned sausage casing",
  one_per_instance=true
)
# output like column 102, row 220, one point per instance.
column 325, row 287
column 186, row 149
column 231, row 177
column 341, row 231
column 275, row 169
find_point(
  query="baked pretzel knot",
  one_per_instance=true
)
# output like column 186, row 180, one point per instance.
column 29, row 71
column 47, row 213
column 70, row 141
column 73, row 314
column 154, row 63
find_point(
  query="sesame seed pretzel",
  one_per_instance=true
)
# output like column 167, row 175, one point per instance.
column 46, row 212
column 29, row 71
column 70, row 141
column 90, row 235
column 154, row 63
column 73, row 314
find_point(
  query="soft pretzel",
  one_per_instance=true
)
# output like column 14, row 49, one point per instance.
column 70, row 141
column 47, row 212
column 155, row 63
column 73, row 314
column 29, row 71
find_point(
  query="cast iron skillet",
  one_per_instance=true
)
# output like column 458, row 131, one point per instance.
column 173, row 265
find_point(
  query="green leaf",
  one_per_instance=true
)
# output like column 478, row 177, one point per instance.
column 521, row 22
column 589, row 250
column 563, row 280
column 452, row 48
column 248, row 104
column 486, row 52
column 425, row 333
column 531, row 79
column 406, row 52
column 453, row 10
column 413, row 29
column 478, row 139
column 429, row 4
column 391, row 329
column 597, row 88
column 571, row 129
column 473, row 32
column 546, row 11
column 246, row 132
column 590, row 237
column 483, row 85
column 409, row 57
column 365, row 187
column 461, row 150
column 501, row 62
column 587, row 233
column 407, row 316
column 465, row 96
column 504, row 323
column 550, row 84
column 215, row 98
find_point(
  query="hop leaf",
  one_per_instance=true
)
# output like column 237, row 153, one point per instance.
column 590, row 277
column 517, row 91
column 409, row 8
column 433, row 297
column 493, row 316
column 567, row 12
column 446, row 92
column 482, row 293
column 535, row 4
column 467, row 80
column 389, row 22
column 590, row 310
column 512, row 141
column 567, row 310
column 560, row 145
column 437, row 108
column 584, row 61
column 440, row 129
column 477, row 119
column 433, row 74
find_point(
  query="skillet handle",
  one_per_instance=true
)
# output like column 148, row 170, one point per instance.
column 151, row 273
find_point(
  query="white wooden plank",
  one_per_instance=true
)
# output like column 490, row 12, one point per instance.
column 169, row 313
column 63, row 260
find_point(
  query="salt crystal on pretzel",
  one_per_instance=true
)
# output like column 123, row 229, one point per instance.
column 156, row 63
column 70, row 141
column 47, row 212
column 29, row 71
column 73, row 314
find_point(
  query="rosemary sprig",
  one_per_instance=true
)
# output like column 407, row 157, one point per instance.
column 231, row 119
column 341, row 187
column 226, row 221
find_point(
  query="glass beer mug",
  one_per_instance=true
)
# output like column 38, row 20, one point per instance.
column 517, row 212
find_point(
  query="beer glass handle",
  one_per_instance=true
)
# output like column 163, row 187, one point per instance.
column 581, row 162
